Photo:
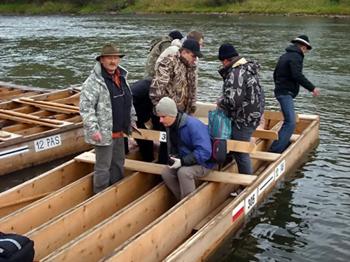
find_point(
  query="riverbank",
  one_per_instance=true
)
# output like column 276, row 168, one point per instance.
column 284, row 7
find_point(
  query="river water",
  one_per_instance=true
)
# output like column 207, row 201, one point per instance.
column 307, row 217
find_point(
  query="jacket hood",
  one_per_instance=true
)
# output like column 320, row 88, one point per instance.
column 251, row 66
column 295, row 49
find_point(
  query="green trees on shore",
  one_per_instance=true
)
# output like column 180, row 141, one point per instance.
column 318, row 7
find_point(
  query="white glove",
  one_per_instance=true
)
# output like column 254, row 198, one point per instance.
column 177, row 163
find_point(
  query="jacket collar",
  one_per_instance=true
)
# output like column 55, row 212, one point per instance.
column 225, row 70
column 98, row 71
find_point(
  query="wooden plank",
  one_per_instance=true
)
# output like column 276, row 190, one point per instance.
column 156, row 241
column 275, row 115
column 153, row 168
column 28, row 120
column 266, row 156
column 55, row 95
column 25, row 200
column 47, row 182
column 49, row 108
column 240, row 146
column 4, row 135
column 76, row 221
column 49, row 103
column 73, row 99
column 232, row 145
column 105, row 237
column 48, row 207
column 265, row 134
column 212, row 214
column 258, row 133
column 34, row 117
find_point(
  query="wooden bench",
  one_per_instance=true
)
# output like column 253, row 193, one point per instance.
column 152, row 168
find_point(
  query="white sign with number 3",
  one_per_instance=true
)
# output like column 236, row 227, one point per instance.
column 162, row 136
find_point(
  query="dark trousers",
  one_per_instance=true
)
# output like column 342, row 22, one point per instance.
column 146, row 147
column 243, row 161
column 109, row 165
column 144, row 111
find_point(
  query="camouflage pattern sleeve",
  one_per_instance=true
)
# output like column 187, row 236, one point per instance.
column 161, row 81
column 88, row 100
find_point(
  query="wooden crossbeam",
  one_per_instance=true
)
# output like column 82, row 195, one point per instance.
column 266, row 156
column 48, row 107
column 32, row 119
column 152, row 168
column 274, row 115
column 232, row 145
column 259, row 133
column 49, row 103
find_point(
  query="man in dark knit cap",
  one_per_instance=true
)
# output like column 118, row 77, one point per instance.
column 288, row 76
column 242, row 100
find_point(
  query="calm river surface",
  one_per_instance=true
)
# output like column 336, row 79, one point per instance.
column 307, row 218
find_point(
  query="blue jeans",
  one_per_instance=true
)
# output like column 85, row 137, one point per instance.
column 285, row 133
column 243, row 161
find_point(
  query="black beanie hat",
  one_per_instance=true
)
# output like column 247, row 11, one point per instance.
column 175, row 35
column 227, row 51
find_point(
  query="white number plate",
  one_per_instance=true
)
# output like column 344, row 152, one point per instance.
column 47, row 143
column 162, row 136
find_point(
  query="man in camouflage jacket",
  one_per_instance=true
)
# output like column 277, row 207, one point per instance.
column 176, row 77
column 157, row 47
column 243, row 99
column 107, row 112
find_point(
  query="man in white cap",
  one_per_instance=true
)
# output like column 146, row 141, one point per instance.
column 107, row 112
column 288, row 76
column 189, row 148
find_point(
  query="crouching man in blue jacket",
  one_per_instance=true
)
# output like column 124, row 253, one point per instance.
column 189, row 148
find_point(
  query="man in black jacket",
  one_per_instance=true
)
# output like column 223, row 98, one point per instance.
column 288, row 76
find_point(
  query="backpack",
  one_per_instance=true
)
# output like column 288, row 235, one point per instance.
column 220, row 129
column 16, row 248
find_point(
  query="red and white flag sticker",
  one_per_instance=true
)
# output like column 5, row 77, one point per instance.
column 238, row 211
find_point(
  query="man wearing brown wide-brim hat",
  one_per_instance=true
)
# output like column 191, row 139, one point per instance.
column 110, row 50
column 107, row 112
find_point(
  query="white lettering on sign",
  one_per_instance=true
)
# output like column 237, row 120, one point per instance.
column 279, row 170
column 162, row 136
column 47, row 143
column 265, row 184
column 250, row 201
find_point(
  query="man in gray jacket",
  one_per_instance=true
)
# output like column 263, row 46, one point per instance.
column 107, row 112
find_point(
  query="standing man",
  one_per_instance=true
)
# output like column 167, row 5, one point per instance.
column 157, row 47
column 107, row 112
column 176, row 77
column 288, row 76
column 189, row 148
column 242, row 100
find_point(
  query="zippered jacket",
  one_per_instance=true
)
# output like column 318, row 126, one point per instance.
column 176, row 79
column 243, row 98
column 288, row 74
column 96, row 108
